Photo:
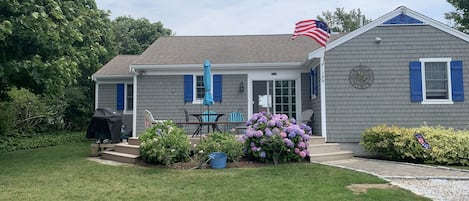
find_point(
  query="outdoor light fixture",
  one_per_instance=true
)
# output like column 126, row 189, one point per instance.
column 378, row 40
column 241, row 87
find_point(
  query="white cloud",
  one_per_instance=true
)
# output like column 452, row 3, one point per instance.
column 241, row 17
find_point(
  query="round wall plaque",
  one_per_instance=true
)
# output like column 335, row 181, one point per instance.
column 361, row 77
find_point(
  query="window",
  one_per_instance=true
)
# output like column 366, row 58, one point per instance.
column 129, row 97
column 124, row 99
column 199, row 87
column 436, row 81
column 194, row 90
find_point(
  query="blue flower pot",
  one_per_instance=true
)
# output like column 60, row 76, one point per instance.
column 217, row 160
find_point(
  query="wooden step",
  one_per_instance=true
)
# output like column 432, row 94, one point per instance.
column 316, row 140
column 133, row 141
column 323, row 148
column 119, row 157
column 127, row 148
column 339, row 155
column 96, row 149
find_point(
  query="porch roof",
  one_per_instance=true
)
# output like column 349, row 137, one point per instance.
column 118, row 66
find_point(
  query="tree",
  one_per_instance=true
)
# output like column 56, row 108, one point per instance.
column 133, row 36
column 46, row 44
column 341, row 21
column 460, row 16
column 52, row 46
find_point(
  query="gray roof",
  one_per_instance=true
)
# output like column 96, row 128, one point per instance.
column 228, row 49
column 218, row 49
column 119, row 65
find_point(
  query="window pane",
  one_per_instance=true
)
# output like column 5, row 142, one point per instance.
column 436, row 80
column 200, row 91
column 129, row 97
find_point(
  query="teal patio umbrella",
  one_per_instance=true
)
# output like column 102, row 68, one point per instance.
column 208, row 98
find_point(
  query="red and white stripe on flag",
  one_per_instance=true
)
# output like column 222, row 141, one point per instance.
column 317, row 30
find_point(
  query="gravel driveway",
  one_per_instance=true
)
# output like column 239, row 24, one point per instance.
column 434, row 182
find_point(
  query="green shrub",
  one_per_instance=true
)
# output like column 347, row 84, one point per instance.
column 7, row 120
column 164, row 143
column 30, row 111
column 220, row 142
column 42, row 140
column 447, row 145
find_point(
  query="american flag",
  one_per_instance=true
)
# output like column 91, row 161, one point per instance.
column 317, row 30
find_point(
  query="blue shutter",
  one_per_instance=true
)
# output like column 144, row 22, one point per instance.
column 313, row 90
column 315, row 82
column 188, row 88
column 416, row 94
column 217, row 88
column 120, row 97
column 457, row 83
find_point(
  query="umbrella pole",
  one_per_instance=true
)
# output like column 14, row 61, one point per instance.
column 208, row 118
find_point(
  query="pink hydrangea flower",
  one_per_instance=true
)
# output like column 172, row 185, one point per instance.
column 302, row 154
column 301, row 145
column 283, row 134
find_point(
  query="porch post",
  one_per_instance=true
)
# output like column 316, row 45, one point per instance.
column 134, row 112
column 323, row 95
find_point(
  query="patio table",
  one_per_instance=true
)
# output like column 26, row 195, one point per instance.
column 201, row 123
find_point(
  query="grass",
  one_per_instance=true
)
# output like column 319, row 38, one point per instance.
column 63, row 173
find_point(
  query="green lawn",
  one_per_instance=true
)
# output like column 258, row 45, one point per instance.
column 63, row 173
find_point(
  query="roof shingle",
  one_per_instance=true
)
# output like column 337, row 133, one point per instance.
column 218, row 49
column 228, row 49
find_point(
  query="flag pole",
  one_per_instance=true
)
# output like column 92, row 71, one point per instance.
column 322, row 71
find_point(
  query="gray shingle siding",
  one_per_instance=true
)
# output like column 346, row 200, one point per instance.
column 163, row 95
column 107, row 98
column 305, row 92
column 316, row 106
column 308, row 103
column 350, row 110
column 107, row 95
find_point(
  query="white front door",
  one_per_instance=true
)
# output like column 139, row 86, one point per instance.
column 275, row 96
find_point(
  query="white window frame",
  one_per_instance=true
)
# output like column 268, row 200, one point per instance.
column 126, row 110
column 424, row 88
column 194, row 85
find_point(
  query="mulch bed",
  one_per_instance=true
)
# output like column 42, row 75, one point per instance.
column 189, row 165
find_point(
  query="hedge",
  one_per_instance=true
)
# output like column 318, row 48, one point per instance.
column 448, row 146
column 8, row 144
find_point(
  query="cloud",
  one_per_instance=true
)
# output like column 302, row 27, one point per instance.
column 242, row 17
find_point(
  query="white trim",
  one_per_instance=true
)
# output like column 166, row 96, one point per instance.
column 126, row 110
column 379, row 22
column 448, row 76
column 437, row 102
column 96, row 95
column 96, row 77
column 134, row 116
column 298, row 98
column 323, row 95
column 197, row 67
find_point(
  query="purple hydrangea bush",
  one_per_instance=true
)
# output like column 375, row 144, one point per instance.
column 276, row 138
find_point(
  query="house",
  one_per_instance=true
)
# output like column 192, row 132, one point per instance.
column 403, row 68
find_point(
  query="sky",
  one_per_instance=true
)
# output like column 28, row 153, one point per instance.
column 255, row 17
